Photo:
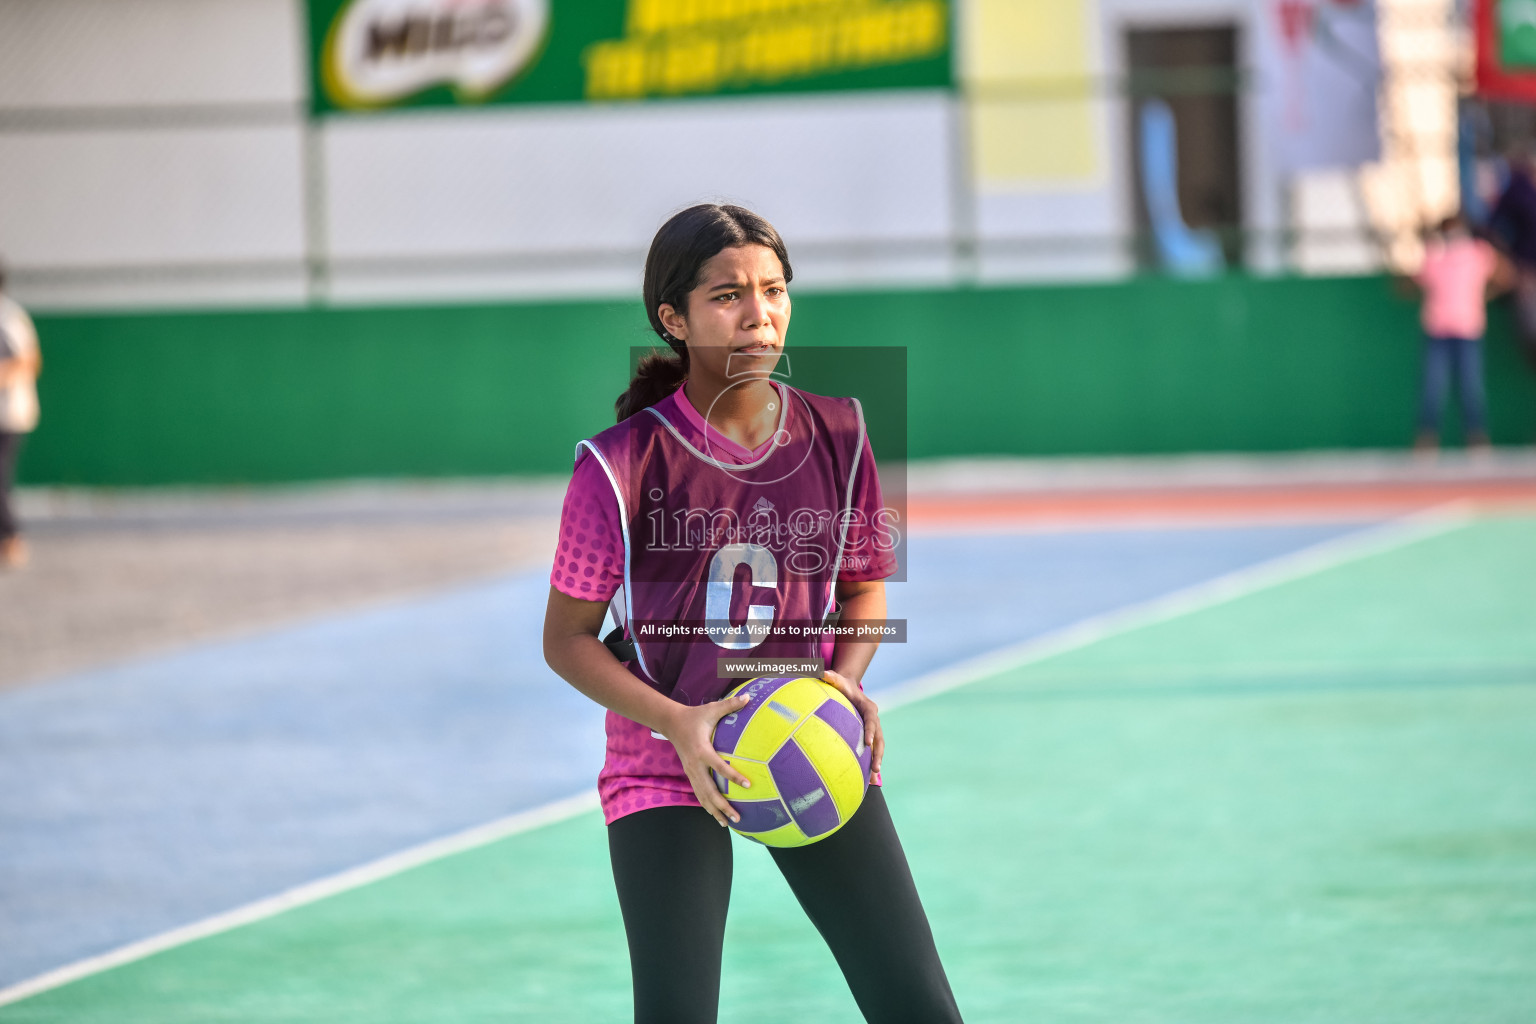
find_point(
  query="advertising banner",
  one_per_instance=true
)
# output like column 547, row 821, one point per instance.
column 382, row 54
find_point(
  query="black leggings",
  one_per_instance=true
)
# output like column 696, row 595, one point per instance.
column 672, row 866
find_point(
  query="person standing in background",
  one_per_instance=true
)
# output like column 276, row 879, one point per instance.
column 1512, row 225
column 1458, row 269
column 20, row 363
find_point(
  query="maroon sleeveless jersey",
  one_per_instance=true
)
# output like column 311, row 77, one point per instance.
column 723, row 559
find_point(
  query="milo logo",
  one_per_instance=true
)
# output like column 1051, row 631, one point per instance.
column 379, row 52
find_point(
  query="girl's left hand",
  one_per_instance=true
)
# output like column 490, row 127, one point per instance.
column 874, row 736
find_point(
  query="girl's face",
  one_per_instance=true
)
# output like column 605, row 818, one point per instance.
column 736, row 317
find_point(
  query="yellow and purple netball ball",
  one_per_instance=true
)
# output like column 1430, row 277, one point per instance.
column 801, row 743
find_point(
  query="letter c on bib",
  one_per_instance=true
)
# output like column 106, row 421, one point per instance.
column 717, row 596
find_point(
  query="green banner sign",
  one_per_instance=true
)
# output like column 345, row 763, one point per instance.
column 379, row 54
column 1517, row 33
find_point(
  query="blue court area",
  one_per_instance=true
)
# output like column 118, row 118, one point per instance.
column 150, row 794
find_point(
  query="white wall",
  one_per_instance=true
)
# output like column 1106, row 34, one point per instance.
column 155, row 151
column 137, row 136
column 116, row 53
column 841, row 177
column 84, row 199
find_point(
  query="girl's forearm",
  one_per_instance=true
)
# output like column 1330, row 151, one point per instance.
column 851, row 658
column 591, row 668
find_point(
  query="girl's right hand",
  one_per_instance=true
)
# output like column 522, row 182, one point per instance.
column 691, row 731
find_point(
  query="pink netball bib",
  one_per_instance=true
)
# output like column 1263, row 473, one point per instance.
column 726, row 559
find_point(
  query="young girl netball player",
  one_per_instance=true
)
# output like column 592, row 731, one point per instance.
column 726, row 496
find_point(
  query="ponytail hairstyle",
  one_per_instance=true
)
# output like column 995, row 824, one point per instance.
column 678, row 253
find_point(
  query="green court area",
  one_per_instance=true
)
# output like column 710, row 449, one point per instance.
column 1316, row 802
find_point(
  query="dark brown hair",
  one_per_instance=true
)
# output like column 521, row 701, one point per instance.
column 678, row 253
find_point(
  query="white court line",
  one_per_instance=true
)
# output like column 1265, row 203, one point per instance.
column 1306, row 562
column 310, row 892
column 1272, row 669
column 1295, row 565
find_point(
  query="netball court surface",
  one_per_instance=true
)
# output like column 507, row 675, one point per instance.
column 1271, row 766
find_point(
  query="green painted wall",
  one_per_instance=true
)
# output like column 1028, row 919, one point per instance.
column 1147, row 365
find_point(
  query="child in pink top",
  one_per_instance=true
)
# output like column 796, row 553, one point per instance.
column 1455, row 278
